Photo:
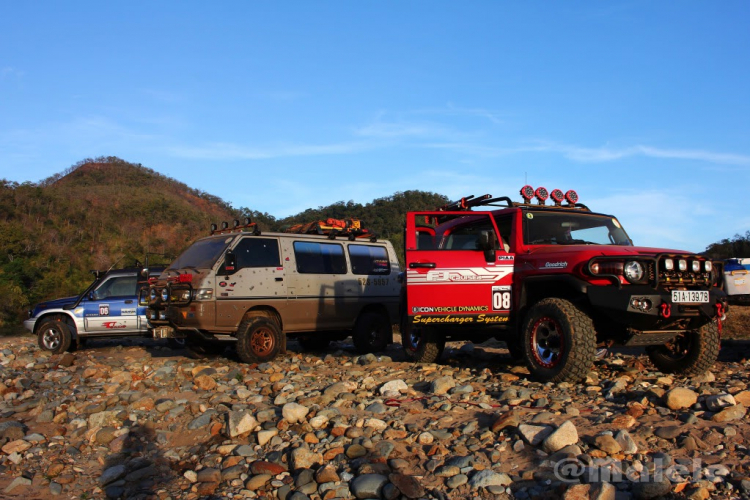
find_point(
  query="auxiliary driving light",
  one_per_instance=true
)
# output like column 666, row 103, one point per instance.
column 213, row 228
column 557, row 196
column 541, row 195
column 225, row 225
column 236, row 223
column 708, row 266
column 528, row 193
column 669, row 264
column 164, row 294
column 696, row 266
column 572, row 197
column 682, row 265
column 247, row 221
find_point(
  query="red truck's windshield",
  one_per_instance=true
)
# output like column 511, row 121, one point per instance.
column 572, row 228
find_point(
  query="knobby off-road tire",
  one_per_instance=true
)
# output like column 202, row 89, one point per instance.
column 559, row 341
column 54, row 335
column 258, row 339
column 371, row 333
column 422, row 344
column 691, row 353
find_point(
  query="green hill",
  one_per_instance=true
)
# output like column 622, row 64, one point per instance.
column 107, row 211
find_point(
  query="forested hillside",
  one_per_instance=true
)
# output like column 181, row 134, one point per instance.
column 107, row 211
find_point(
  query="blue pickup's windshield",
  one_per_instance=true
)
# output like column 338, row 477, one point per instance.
column 201, row 254
column 572, row 228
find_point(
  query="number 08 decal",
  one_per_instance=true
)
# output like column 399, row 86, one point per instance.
column 501, row 298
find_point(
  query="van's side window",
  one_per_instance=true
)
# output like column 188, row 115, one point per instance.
column 319, row 258
column 257, row 252
column 367, row 259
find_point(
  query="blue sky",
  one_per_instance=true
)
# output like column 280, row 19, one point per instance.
column 642, row 107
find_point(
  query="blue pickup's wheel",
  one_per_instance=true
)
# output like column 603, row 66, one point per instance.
column 54, row 336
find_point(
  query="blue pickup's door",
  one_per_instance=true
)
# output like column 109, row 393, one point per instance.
column 112, row 308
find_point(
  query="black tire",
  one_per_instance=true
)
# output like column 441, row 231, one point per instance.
column 258, row 339
column 371, row 333
column 690, row 353
column 422, row 344
column 54, row 335
column 314, row 342
column 559, row 341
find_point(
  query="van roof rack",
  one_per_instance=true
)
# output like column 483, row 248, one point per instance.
column 349, row 227
column 248, row 227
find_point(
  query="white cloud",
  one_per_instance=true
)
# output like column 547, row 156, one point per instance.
column 231, row 151
column 605, row 154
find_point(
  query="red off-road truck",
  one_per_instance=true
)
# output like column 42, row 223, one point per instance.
column 554, row 282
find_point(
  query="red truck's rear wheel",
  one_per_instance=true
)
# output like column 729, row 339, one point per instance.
column 559, row 341
column 422, row 344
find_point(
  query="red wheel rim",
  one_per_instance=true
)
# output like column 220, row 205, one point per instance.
column 414, row 339
column 547, row 342
column 261, row 341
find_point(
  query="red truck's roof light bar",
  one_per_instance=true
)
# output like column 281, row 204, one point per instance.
column 527, row 192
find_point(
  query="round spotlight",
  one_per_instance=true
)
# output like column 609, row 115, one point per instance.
column 213, row 227
column 572, row 197
column 682, row 264
column 247, row 221
column 236, row 223
column 669, row 264
column 557, row 196
column 224, row 225
column 696, row 266
column 541, row 195
column 527, row 192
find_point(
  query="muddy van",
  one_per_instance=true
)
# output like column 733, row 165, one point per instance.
column 256, row 289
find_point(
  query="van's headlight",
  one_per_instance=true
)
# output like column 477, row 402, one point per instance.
column 633, row 271
column 203, row 294
column 184, row 295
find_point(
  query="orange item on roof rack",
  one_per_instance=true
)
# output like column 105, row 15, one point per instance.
column 330, row 226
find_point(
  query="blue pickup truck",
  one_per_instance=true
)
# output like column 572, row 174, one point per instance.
column 107, row 308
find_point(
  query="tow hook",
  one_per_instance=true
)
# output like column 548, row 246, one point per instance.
column 666, row 310
column 720, row 315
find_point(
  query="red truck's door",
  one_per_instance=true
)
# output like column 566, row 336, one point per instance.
column 450, row 279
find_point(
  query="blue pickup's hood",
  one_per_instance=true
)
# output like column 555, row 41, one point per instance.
column 55, row 303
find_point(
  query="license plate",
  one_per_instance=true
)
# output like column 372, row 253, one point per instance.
column 684, row 296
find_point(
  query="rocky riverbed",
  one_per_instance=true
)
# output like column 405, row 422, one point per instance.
column 133, row 419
